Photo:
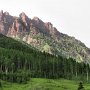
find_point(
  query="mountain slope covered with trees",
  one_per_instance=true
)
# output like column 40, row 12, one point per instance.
column 19, row 63
column 43, row 36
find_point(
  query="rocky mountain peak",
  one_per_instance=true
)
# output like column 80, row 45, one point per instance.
column 36, row 19
column 1, row 12
column 1, row 15
column 23, row 16
column 6, row 13
column 49, row 25
column 42, row 35
column 25, row 21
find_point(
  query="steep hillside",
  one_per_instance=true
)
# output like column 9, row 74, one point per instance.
column 19, row 62
column 9, row 43
column 43, row 36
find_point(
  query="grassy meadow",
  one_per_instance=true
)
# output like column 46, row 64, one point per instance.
column 44, row 84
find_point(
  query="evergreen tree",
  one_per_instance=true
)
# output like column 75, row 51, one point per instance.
column 81, row 86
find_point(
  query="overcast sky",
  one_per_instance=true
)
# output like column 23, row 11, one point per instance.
column 71, row 17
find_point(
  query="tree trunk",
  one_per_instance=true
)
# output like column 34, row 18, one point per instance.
column 87, row 76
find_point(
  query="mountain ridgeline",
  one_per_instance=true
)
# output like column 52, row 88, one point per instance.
column 43, row 36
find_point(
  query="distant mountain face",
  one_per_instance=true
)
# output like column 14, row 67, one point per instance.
column 42, row 36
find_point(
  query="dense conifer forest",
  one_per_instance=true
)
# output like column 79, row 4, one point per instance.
column 20, row 62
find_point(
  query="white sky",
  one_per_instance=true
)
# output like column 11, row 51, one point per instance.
column 68, row 16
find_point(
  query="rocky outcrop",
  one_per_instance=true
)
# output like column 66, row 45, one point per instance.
column 52, row 30
column 11, row 26
column 1, row 15
column 25, row 20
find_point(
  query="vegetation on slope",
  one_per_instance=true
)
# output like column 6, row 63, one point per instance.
column 43, row 36
column 19, row 64
column 9, row 43
column 63, row 45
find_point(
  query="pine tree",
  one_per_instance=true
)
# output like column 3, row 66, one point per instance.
column 80, row 86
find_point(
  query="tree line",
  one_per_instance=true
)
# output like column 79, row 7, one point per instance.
column 18, row 66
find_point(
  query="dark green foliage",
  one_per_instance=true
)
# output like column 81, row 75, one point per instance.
column 18, row 63
column 9, row 43
column 81, row 86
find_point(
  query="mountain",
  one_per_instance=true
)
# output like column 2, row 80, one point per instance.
column 42, row 36
column 19, row 63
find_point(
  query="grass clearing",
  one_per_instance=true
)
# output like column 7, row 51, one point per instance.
column 44, row 84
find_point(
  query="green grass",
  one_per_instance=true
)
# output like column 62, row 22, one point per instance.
column 44, row 84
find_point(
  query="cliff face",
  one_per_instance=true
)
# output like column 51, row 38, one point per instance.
column 43, row 36
column 13, row 25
